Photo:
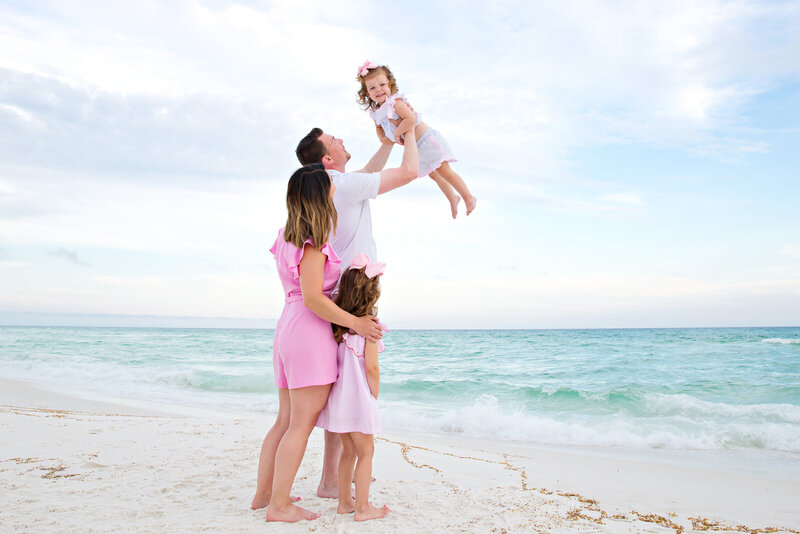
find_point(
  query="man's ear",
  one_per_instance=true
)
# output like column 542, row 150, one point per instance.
column 326, row 160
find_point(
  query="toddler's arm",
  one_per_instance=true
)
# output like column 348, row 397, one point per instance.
column 382, row 135
column 407, row 119
column 372, row 367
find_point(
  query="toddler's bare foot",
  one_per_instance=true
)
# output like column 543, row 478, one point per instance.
column 454, row 200
column 471, row 202
column 262, row 502
column 290, row 514
column 371, row 512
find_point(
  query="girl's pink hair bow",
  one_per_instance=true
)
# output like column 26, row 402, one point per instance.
column 372, row 270
column 364, row 69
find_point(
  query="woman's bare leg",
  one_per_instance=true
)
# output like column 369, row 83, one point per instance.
column 447, row 189
column 266, row 460
column 451, row 177
column 346, row 464
column 306, row 403
column 365, row 448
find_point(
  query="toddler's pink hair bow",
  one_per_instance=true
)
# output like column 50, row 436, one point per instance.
column 372, row 270
column 364, row 69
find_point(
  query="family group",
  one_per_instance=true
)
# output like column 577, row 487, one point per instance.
column 327, row 340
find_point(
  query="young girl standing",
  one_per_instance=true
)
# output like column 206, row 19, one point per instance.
column 380, row 97
column 352, row 408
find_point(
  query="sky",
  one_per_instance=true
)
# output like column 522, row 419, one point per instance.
column 636, row 163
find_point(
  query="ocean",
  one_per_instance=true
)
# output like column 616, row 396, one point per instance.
column 677, row 389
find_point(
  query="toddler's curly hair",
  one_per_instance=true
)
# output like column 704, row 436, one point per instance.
column 363, row 96
column 358, row 295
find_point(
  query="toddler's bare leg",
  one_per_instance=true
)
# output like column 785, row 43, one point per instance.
column 447, row 189
column 365, row 448
column 458, row 184
column 346, row 464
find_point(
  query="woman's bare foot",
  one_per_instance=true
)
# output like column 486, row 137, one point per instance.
column 290, row 514
column 262, row 502
column 471, row 202
column 454, row 200
column 371, row 512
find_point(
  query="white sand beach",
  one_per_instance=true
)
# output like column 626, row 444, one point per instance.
column 70, row 464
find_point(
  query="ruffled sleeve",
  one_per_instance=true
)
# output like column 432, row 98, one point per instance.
column 294, row 257
column 390, row 112
column 274, row 247
column 356, row 343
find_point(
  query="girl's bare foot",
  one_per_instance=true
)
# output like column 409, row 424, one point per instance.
column 290, row 514
column 346, row 508
column 262, row 502
column 454, row 200
column 471, row 202
column 371, row 512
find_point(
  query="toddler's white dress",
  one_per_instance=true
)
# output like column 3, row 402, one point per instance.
column 432, row 146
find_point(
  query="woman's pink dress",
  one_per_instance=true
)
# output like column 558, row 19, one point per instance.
column 351, row 406
column 304, row 351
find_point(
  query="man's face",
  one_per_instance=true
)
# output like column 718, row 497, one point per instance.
column 335, row 151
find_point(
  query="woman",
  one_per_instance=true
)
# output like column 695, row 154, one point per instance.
column 304, row 351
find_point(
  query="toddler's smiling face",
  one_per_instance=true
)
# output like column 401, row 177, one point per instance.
column 378, row 87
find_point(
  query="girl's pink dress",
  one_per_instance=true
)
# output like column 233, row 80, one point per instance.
column 351, row 406
column 304, row 351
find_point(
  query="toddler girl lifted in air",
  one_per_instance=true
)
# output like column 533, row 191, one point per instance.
column 380, row 97
column 352, row 408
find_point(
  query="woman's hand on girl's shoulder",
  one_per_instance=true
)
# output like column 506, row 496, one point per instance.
column 369, row 328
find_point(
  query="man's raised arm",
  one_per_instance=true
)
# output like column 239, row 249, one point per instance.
column 408, row 169
column 378, row 161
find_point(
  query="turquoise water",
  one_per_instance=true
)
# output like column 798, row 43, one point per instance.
column 729, row 388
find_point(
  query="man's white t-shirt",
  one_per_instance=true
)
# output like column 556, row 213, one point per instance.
column 353, row 234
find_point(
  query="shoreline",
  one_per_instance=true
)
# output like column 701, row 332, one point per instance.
column 168, row 468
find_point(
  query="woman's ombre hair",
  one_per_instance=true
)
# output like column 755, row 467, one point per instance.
column 310, row 206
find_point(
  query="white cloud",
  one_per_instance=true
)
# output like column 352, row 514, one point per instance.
column 793, row 251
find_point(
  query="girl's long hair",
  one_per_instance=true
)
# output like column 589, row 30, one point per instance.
column 358, row 295
column 310, row 206
column 363, row 96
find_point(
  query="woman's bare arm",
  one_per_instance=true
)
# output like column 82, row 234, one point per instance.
column 312, row 273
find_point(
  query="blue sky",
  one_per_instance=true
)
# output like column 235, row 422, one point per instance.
column 636, row 163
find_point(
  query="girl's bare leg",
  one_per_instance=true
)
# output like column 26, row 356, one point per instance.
column 365, row 448
column 458, row 184
column 306, row 403
column 266, row 461
column 346, row 464
column 447, row 189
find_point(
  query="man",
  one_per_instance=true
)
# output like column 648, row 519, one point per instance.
column 353, row 235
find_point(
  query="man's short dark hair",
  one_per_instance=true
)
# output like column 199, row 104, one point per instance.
column 310, row 149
